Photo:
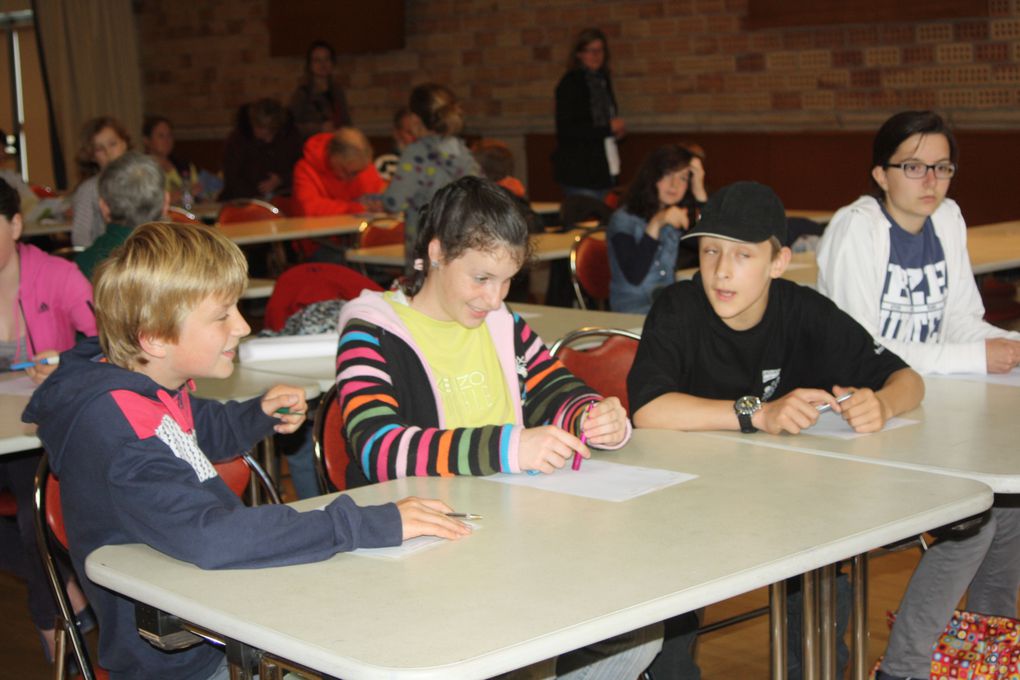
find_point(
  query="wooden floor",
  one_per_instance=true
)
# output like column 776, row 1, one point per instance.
column 740, row 651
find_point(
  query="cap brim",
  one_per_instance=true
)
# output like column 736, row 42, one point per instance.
column 725, row 237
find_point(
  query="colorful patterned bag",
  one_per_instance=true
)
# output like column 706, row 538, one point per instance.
column 977, row 647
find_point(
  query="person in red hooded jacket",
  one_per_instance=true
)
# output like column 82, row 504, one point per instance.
column 335, row 172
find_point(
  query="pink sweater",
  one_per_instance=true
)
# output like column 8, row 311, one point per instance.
column 55, row 298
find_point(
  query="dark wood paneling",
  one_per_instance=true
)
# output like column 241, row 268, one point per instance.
column 350, row 26
column 784, row 13
column 812, row 170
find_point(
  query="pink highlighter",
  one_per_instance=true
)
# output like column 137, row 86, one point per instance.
column 576, row 465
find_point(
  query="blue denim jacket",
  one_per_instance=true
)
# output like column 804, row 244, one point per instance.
column 625, row 296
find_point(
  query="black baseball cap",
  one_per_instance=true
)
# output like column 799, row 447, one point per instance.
column 747, row 212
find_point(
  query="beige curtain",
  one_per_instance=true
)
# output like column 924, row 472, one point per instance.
column 91, row 53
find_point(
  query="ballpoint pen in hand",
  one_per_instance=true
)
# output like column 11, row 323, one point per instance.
column 584, row 439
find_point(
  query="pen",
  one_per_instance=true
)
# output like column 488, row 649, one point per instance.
column 822, row 408
column 285, row 411
column 576, row 465
column 463, row 515
column 47, row 361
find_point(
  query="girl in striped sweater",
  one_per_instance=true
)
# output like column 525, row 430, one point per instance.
column 440, row 378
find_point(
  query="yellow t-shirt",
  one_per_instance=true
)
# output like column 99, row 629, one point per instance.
column 464, row 364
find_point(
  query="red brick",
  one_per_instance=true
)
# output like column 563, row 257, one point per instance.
column 994, row 52
column 845, row 58
column 786, row 101
column 865, row 78
column 750, row 62
column 970, row 31
column 919, row 54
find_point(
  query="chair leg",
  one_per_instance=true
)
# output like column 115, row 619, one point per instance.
column 60, row 651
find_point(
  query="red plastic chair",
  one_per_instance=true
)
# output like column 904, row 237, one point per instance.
column 42, row 190
column 999, row 298
column 589, row 268
column 601, row 357
column 303, row 284
column 51, row 536
column 331, row 457
column 181, row 216
column 247, row 210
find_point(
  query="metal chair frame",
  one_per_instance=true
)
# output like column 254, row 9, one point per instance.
column 66, row 624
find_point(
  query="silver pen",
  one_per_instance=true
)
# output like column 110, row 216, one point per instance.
column 822, row 408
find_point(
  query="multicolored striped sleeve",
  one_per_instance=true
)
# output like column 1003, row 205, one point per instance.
column 381, row 440
column 552, row 395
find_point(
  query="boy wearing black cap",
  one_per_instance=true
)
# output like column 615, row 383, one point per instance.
column 740, row 348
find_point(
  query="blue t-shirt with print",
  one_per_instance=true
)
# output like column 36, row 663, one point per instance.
column 914, row 292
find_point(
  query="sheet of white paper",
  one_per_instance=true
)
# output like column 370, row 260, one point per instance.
column 599, row 479
column 408, row 547
column 22, row 386
column 832, row 425
column 1011, row 379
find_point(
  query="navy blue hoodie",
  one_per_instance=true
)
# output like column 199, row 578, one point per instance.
column 133, row 461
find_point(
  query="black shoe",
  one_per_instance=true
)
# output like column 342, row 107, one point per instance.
column 882, row 675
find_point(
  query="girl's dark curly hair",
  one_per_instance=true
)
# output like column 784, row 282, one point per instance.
column 642, row 197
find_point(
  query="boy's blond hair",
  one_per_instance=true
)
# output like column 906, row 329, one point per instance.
column 151, row 282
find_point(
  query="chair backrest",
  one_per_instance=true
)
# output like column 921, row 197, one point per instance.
column 247, row 210
column 237, row 473
column 178, row 214
column 589, row 268
column 382, row 231
column 601, row 357
column 331, row 458
column 303, row 284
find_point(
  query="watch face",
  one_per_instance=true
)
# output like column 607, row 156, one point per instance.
column 747, row 405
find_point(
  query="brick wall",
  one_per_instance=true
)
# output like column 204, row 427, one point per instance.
column 684, row 65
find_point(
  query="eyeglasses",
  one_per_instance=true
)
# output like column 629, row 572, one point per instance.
column 918, row 170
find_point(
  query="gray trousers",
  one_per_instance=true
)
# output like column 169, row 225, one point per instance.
column 987, row 562
column 620, row 658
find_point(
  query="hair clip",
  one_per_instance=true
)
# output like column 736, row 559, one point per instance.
column 419, row 265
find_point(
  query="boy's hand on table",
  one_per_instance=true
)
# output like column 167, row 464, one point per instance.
column 606, row 423
column 864, row 411
column 794, row 412
column 548, row 448
column 40, row 372
column 285, row 397
column 427, row 517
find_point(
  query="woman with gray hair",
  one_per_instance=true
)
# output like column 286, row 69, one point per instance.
column 132, row 191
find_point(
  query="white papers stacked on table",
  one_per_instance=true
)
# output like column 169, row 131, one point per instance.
column 831, row 424
column 289, row 347
column 599, row 479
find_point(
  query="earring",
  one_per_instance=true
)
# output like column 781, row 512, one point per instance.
column 434, row 264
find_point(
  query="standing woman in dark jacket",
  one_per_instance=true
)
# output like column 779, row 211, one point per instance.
column 319, row 103
column 586, row 160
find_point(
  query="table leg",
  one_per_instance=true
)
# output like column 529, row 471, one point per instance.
column 827, row 621
column 859, row 642
column 809, row 626
column 777, row 629
column 241, row 659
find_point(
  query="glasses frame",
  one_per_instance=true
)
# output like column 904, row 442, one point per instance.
column 933, row 168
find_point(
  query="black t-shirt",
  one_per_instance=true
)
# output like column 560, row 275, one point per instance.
column 803, row 340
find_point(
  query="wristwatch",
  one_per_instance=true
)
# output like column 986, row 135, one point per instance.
column 746, row 407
